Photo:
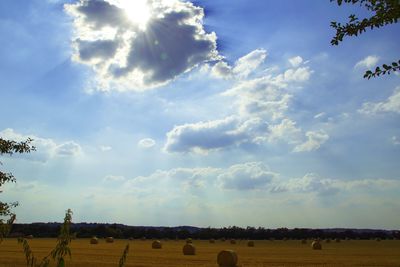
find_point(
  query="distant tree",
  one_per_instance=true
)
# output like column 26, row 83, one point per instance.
column 384, row 12
column 7, row 217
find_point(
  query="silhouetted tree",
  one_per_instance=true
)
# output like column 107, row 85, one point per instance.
column 384, row 12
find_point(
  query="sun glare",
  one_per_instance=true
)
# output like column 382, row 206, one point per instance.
column 138, row 11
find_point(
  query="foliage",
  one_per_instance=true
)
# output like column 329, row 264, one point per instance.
column 7, row 217
column 58, row 253
column 385, row 12
column 122, row 260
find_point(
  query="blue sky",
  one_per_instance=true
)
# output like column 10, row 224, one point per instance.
column 200, row 113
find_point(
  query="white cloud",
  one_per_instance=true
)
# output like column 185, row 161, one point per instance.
column 315, row 140
column 286, row 130
column 262, row 104
column 129, row 56
column 146, row 143
column 392, row 104
column 297, row 75
column 320, row 115
column 105, row 148
column 309, row 183
column 204, row 136
column 295, row 61
column 114, row 178
column 249, row 63
column 45, row 148
column 368, row 62
column 221, row 70
column 242, row 67
column 246, row 176
column 395, row 140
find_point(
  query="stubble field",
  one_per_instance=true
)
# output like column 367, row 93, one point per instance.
column 265, row 253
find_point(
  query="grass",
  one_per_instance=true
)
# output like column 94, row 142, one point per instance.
column 265, row 253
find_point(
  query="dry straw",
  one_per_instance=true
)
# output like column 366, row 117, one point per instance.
column 316, row 245
column 29, row 237
column 189, row 249
column 110, row 239
column 250, row 243
column 156, row 244
column 227, row 258
column 233, row 241
column 94, row 240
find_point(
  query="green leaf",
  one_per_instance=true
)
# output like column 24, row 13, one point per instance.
column 61, row 263
column 386, row 67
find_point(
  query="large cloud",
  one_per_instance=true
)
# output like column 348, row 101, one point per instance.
column 45, row 148
column 262, row 103
column 249, row 176
column 135, row 56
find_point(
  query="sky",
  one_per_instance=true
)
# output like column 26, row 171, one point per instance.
column 202, row 113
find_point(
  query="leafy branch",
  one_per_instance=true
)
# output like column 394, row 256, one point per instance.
column 385, row 12
column 382, row 71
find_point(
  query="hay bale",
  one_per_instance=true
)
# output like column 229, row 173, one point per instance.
column 29, row 237
column 337, row 240
column 233, row 241
column 304, row 241
column 94, row 240
column 223, row 239
column 378, row 239
column 250, row 243
column 110, row 239
column 130, row 238
column 189, row 249
column 327, row 241
column 143, row 238
column 212, row 241
column 227, row 258
column 316, row 245
column 156, row 244
column 189, row 241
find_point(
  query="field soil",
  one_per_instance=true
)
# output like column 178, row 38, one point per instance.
column 265, row 253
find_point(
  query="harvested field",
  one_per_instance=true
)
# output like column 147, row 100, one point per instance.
column 266, row 253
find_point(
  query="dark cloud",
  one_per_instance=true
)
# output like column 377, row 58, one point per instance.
column 172, row 42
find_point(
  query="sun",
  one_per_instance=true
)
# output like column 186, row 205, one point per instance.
column 138, row 11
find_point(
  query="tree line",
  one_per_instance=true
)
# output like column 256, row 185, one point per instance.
column 83, row 230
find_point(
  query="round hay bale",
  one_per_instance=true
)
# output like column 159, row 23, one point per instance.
column 94, row 240
column 156, row 244
column 130, row 238
column 233, row 241
column 304, row 241
column 189, row 249
column 110, row 239
column 29, row 237
column 223, row 239
column 316, row 245
column 327, row 241
column 250, row 243
column 189, row 241
column 227, row 258
column 337, row 240
column 212, row 241
column 143, row 238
